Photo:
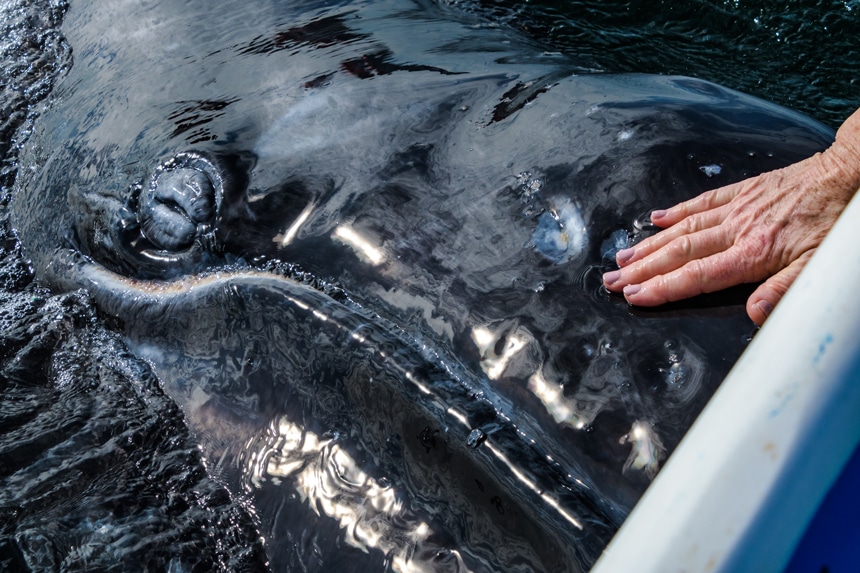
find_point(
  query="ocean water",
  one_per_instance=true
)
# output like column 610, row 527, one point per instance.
column 796, row 54
column 463, row 412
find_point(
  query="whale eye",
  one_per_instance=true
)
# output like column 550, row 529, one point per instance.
column 180, row 202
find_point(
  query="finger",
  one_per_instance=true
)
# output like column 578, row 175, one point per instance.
column 765, row 298
column 654, row 243
column 699, row 204
column 672, row 256
column 722, row 270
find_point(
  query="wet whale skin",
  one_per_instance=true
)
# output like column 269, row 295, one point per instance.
column 361, row 245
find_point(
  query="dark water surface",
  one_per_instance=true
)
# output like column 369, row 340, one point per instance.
column 340, row 304
column 800, row 54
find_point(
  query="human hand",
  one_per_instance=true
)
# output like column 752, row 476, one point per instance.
column 763, row 228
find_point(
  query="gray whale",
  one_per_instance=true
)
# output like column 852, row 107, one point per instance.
column 360, row 246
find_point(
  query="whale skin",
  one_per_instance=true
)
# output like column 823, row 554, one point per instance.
column 360, row 245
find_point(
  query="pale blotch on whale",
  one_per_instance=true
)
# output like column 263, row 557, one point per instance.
column 561, row 234
column 617, row 241
column 647, row 450
column 711, row 170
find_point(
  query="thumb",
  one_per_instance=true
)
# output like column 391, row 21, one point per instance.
column 763, row 300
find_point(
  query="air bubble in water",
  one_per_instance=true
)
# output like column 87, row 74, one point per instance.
column 643, row 223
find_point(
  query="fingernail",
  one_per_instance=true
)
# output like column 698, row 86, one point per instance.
column 624, row 255
column 658, row 214
column 765, row 307
column 630, row 290
column 611, row 277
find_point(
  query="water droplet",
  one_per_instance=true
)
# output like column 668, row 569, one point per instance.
column 643, row 222
column 529, row 185
column 677, row 375
column 476, row 438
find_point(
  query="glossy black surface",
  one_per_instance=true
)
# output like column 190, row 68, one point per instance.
column 360, row 247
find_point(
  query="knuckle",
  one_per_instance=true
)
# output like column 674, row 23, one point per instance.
column 779, row 286
column 752, row 249
column 639, row 271
column 759, row 250
column 703, row 277
column 699, row 272
column 714, row 198
column 663, row 288
column 690, row 225
column 683, row 247
column 709, row 199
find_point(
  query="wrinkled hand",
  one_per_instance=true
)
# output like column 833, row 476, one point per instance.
column 762, row 229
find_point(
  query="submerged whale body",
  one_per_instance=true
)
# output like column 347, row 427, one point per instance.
column 361, row 246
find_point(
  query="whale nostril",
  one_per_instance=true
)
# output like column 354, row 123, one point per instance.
column 180, row 202
column 167, row 228
column 188, row 190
